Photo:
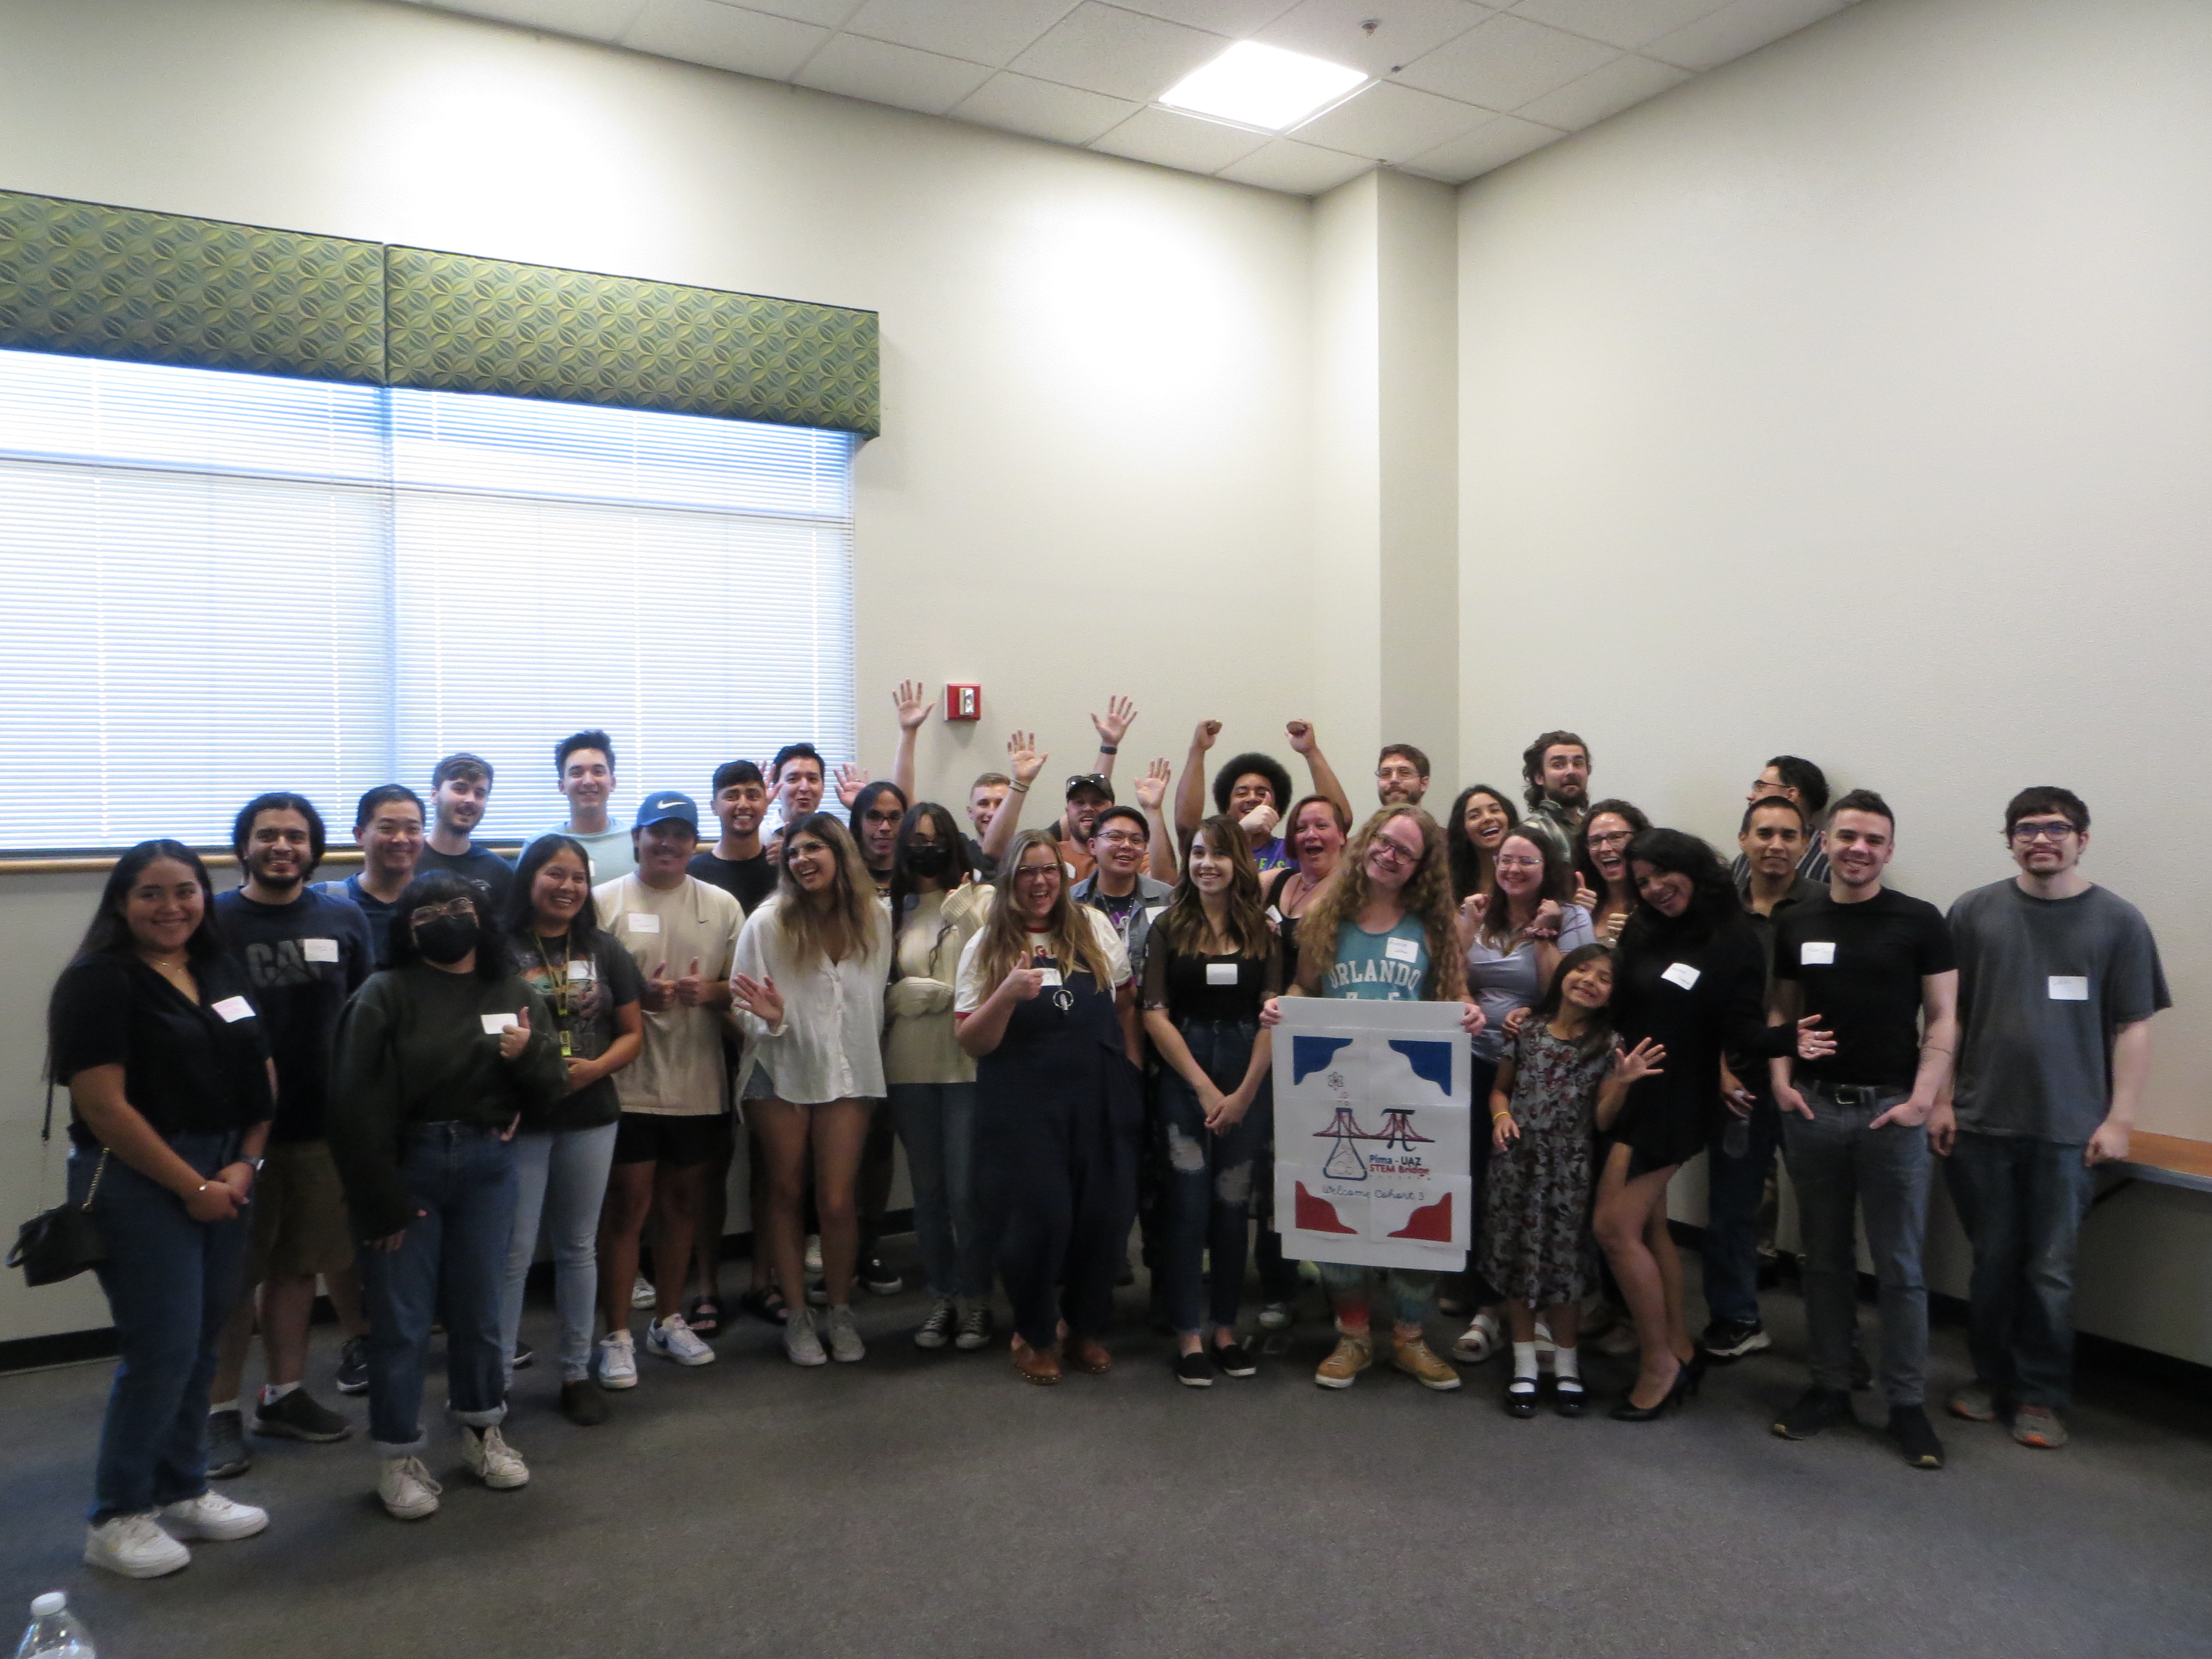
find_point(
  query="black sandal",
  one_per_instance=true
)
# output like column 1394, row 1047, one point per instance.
column 703, row 1314
column 766, row 1304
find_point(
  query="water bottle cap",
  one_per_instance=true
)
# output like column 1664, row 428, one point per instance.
column 52, row 1602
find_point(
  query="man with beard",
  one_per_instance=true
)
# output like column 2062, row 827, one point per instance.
column 1555, row 770
column 584, row 771
column 304, row 953
column 388, row 827
column 1402, row 776
column 737, row 862
column 1791, row 778
column 461, row 788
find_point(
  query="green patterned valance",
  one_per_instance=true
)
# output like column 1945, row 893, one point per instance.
column 457, row 324
column 89, row 280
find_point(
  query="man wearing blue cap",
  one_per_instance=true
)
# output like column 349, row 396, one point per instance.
column 683, row 934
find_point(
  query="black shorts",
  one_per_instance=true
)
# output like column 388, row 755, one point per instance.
column 682, row 1143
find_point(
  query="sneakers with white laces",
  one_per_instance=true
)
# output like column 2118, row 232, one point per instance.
column 937, row 1324
column 408, row 1492
column 800, row 1344
column 975, row 1328
column 642, row 1293
column 211, row 1516
column 134, row 1546
column 618, row 1361
column 672, row 1339
column 492, row 1460
column 845, row 1345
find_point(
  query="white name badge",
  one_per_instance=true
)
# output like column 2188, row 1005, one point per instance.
column 1681, row 973
column 1049, row 977
column 2069, row 987
column 320, row 949
column 1400, row 950
column 1817, row 953
column 1221, row 973
column 1275, row 915
column 1154, row 912
column 641, row 921
column 583, row 969
column 495, row 1024
column 234, row 1009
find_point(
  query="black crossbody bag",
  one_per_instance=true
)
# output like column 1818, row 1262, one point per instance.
column 64, row 1242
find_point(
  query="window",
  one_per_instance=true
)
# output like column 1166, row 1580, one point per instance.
column 213, row 583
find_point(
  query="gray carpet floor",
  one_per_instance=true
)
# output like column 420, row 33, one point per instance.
column 934, row 1504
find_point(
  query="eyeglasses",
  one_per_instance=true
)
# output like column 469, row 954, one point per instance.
column 1614, row 838
column 1119, row 838
column 1391, row 850
column 1397, row 773
column 2044, row 832
column 1520, row 864
column 456, row 908
column 1036, row 872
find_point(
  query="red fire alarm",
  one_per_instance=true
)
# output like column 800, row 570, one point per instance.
column 964, row 703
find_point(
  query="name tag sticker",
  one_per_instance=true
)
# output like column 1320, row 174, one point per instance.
column 582, row 969
column 2069, row 987
column 1051, row 977
column 495, row 1024
column 234, row 1009
column 1817, row 953
column 641, row 921
column 320, row 949
column 1400, row 950
column 1221, row 973
column 1275, row 915
column 1681, row 973
column 1154, row 912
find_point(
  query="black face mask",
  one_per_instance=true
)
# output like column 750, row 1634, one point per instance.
column 928, row 862
column 446, row 940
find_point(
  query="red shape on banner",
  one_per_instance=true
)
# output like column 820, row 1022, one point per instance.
column 1318, row 1215
column 1431, row 1223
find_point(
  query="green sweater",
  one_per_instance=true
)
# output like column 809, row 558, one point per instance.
column 412, row 1049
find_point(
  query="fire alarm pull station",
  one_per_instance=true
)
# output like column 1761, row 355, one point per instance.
column 964, row 703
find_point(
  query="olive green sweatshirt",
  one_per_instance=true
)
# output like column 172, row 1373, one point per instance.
column 414, row 1045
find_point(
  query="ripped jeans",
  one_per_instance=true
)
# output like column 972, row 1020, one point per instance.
column 1209, row 1177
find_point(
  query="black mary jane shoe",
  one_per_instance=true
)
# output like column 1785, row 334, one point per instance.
column 1569, row 1397
column 1521, row 1402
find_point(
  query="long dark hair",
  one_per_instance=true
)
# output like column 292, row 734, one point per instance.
column 865, row 799
column 957, row 867
column 1584, row 865
column 109, row 933
column 1184, row 927
column 1556, row 882
column 1466, row 871
column 1713, row 902
column 522, row 910
column 1597, row 1036
column 494, row 961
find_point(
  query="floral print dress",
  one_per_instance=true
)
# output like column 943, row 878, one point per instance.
column 1535, row 1242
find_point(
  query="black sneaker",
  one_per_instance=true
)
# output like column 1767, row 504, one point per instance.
column 879, row 1280
column 226, row 1446
column 1725, row 1339
column 298, row 1416
column 582, row 1403
column 352, row 1365
column 524, row 1354
column 1816, row 1409
column 1916, row 1437
column 1233, row 1360
column 1193, row 1372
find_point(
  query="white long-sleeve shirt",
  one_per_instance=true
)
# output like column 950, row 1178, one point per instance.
column 829, row 1045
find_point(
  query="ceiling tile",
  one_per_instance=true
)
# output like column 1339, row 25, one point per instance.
column 981, row 31
column 1066, row 115
column 827, row 13
column 1606, row 90
column 1179, row 141
column 1301, row 169
column 1104, row 49
column 1627, row 24
column 1234, row 18
column 1391, row 122
column 594, row 20
column 724, row 37
column 1332, row 29
column 1493, row 144
column 898, row 75
column 1502, row 62
column 1736, row 29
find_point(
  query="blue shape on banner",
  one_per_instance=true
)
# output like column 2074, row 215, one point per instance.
column 1310, row 1054
column 1430, row 1060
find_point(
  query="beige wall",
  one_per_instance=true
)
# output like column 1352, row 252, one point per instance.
column 1850, row 401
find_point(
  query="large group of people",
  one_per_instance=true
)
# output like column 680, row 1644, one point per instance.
column 403, row 1085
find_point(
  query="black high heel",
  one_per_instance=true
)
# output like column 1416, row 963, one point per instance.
column 1684, row 1384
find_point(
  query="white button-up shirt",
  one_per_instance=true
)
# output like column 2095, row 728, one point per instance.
column 829, row 1045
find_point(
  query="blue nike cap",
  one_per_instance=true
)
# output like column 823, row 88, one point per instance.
column 662, row 805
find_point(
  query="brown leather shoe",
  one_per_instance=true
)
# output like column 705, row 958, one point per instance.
column 1086, row 1355
column 1035, row 1364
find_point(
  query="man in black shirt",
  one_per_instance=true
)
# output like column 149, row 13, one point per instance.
column 1879, row 970
column 461, row 788
column 738, row 863
column 387, row 826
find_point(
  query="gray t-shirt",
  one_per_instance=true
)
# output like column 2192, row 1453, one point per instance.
column 1502, row 980
column 2043, row 984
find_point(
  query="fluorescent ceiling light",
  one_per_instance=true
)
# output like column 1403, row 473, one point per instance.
column 1265, row 86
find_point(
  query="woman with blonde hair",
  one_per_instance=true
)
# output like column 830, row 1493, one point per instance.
column 1047, row 1004
column 808, row 983
column 1384, row 930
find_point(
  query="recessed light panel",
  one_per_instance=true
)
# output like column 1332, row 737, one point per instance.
column 1263, row 86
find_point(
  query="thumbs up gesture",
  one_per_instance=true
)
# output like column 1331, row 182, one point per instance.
column 516, row 1037
column 689, row 990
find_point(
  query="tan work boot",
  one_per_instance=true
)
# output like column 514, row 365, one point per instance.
column 1412, row 1355
column 1353, row 1354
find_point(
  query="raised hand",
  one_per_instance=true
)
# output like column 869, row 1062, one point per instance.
column 516, row 1037
column 1114, row 724
column 1471, row 912
column 851, row 780
column 1633, row 1065
column 1301, row 734
column 1023, row 758
column 1586, row 896
column 1153, row 787
column 758, row 997
column 1202, row 738
column 912, row 700
column 1261, row 820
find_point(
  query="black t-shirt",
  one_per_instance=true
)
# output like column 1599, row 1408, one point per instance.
column 302, row 960
column 986, row 867
column 1860, row 967
column 188, row 1068
column 749, row 881
column 1212, row 988
column 583, row 988
column 493, row 874
column 377, row 911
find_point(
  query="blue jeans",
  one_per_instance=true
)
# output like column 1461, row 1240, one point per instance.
column 451, row 1263
column 561, row 1175
column 171, row 1282
column 937, row 1121
column 2021, row 1201
column 1730, row 1247
column 1410, row 1290
column 1209, row 1177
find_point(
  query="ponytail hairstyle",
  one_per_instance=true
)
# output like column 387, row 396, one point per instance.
column 1069, row 933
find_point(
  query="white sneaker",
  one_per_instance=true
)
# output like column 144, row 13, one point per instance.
column 642, row 1293
column 492, row 1460
column 212, row 1516
column 618, row 1361
column 800, row 1345
column 408, row 1492
column 134, row 1546
column 814, row 1252
column 672, row 1339
column 1479, row 1341
column 845, row 1345
column 1275, row 1316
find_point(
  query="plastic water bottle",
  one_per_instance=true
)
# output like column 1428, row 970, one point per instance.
column 54, row 1631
